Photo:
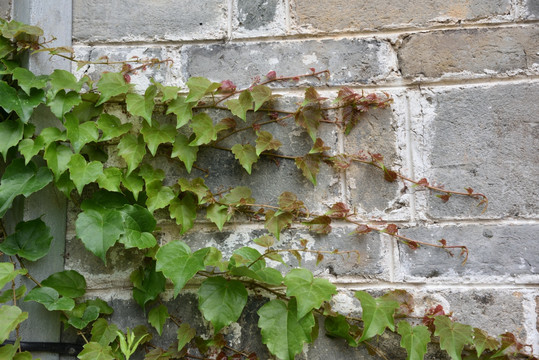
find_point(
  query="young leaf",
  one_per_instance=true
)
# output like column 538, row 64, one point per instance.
column 221, row 301
column 138, row 225
column 27, row 80
column 265, row 241
column 8, row 273
column 83, row 173
column 309, row 165
column 139, row 105
column 58, row 157
column 168, row 92
column 64, row 80
column 20, row 102
column 31, row 240
column 240, row 195
column 185, row 334
column 80, row 134
column 68, row 283
column 182, row 109
column 187, row 154
column 482, row 341
column 177, row 263
column 150, row 174
column 319, row 225
column 103, row 332
column 218, row 214
column 453, row 336
column 289, row 202
column 309, row 118
column 82, row 315
column 276, row 222
column 63, row 102
column 318, row 147
column 203, row 128
column 265, row 141
column 339, row 327
column 96, row 351
column 240, row 106
column 196, row 186
column 260, row 94
column 282, row 332
column 414, row 340
column 30, row 148
column 11, row 317
column 159, row 196
column 156, row 135
column 309, row 292
column 246, row 154
column 199, row 87
column 147, row 284
column 110, row 179
column 50, row 298
column 11, row 132
column 157, row 317
column 111, row 84
column 133, row 183
column 377, row 314
column 112, row 127
column 132, row 149
column 184, row 210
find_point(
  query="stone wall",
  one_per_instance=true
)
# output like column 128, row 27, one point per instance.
column 464, row 75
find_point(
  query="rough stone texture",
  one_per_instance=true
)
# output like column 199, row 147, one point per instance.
column 486, row 138
column 479, row 51
column 254, row 14
column 533, row 8
column 335, row 15
column 495, row 252
column 350, row 61
column 138, row 20
column 5, row 9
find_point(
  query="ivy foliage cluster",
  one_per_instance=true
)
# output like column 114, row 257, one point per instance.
column 124, row 199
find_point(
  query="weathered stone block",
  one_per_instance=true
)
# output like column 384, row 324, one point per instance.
column 496, row 253
column 5, row 9
column 485, row 138
column 259, row 17
column 137, row 20
column 335, row 15
column 533, row 8
column 479, row 51
column 350, row 61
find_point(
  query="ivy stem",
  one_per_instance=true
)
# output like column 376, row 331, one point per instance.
column 251, row 127
column 28, row 275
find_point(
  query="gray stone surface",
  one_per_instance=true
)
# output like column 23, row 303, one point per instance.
column 332, row 15
column 533, row 8
column 254, row 14
column 485, row 138
column 5, row 9
column 137, row 20
column 479, row 51
column 495, row 252
column 350, row 61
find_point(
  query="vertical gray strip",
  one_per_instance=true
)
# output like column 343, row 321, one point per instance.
column 54, row 17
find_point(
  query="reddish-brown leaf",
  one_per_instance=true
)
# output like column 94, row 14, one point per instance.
column 362, row 229
column 389, row 175
column 318, row 147
column 338, row 211
column 319, row 258
column 392, row 229
column 289, row 202
column 309, row 165
column 319, row 225
column 423, row 182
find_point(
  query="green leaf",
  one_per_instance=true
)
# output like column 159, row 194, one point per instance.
column 265, row 141
column 240, row 106
column 11, row 132
column 276, row 222
column 414, row 340
column 11, row 317
column 150, row 174
column 199, row 87
column 182, row 109
column 240, row 195
column 265, row 241
column 111, row 84
column 203, row 128
column 65, row 185
column 185, row 334
column 20, row 179
column 20, row 102
column 246, row 154
column 63, row 103
column 309, row 292
column 31, row 240
column 138, row 225
column 8, row 273
column 196, row 186
column 453, row 336
column 12, row 29
column 178, row 264
column 64, row 80
column 68, row 283
column 319, row 225
column 221, row 301
column 87, row 110
column 157, row 317
column 184, row 210
column 96, row 351
column 309, row 165
column 50, row 134
column 261, row 94
column 5, row 47
column 339, row 327
column 99, row 230
column 110, row 179
column 58, row 157
column 82, row 315
column 482, row 341
column 80, row 134
column 309, row 118
column 8, row 351
column 103, row 307
column 133, row 183
column 50, row 298
column 8, row 294
column 103, row 332
column 168, row 92
column 30, row 148
column 377, row 314
column 132, row 149
column 187, row 154
column 112, row 127
column 27, row 80
column 156, row 135
column 282, row 332
column 218, row 214
column 147, row 284
column 139, row 105
column 159, row 196
column 83, row 173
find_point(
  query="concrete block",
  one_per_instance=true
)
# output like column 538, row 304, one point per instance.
column 137, row 20
column 485, row 138
column 259, row 18
column 350, row 61
column 5, row 9
column 340, row 15
column 533, row 8
column 479, row 51
column 496, row 253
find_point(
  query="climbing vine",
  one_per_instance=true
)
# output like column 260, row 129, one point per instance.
column 103, row 164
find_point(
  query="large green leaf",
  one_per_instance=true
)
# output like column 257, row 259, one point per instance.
column 414, row 340
column 64, row 102
column 27, row 80
column 338, row 326
column 240, row 106
column 30, row 148
column 203, row 128
column 177, row 263
column 132, row 149
column 111, row 84
column 218, row 214
column 138, row 225
column 8, row 273
column 181, row 149
column 147, row 284
column 221, row 301
column 246, row 154
column 68, row 283
column 377, row 314
column 82, row 315
column 31, row 240
column 133, row 183
column 248, row 262
column 58, row 157
column 453, row 335
column 199, row 87
column 156, row 135
column 21, row 179
column 112, row 127
column 282, row 332
column 157, row 317
column 80, row 134
column 139, row 105
column 99, row 230
column 96, row 351
column 159, row 196
column 182, row 109
column 309, row 292
column 276, row 222
column 20, row 102
column 103, row 332
column 11, row 317
column 50, row 298
column 83, row 173
column 64, row 80
column 110, row 179
column 11, row 132
column 184, row 210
